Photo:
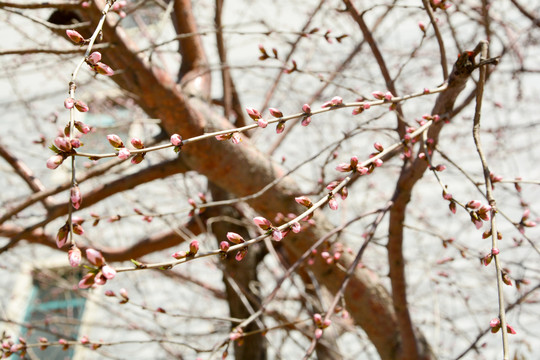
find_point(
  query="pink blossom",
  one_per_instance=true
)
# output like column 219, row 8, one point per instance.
column 123, row 154
column 54, row 161
column 115, row 140
column 275, row 113
column 95, row 257
column 262, row 222
column 235, row 238
column 75, row 37
column 108, row 271
column 94, row 57
column 176, row 140
column 76, row 197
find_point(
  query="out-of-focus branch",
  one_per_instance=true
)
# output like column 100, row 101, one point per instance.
column 62, row 4
column 411, row 173
column 533, row 17
column 25, row 173
column 438, row 35
column 368, row 36
column 194, row 68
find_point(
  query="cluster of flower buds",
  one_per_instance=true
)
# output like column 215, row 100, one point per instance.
column 123, row 295
column 353, row 166
column 100, row 273
column 266, row 225
column 146, row 218
column 321, row 325
column 235, row 136
column 193, row 250
column 525, row 222
column 306, row 119
column 116, row 142
column 118, row 7
column 71, row 103
column 292, row 69
column 360, row 109
column 63, row 232
column 295, row 226
column 452, row 205
column 336, row 101
column 94, row 61
column 440, row 4
column 235, row 239
column 478, row 212
column 256, row 116
column 265, row 55
column 495, row 325
column 331, row 256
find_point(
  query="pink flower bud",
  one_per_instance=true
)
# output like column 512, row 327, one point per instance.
column 69, row 103
column 379, row 95
column 76, row 197
column 366, row 106
column 94, row 57
column 318, row 333
column 336, row 100
column 388, row 96
column 277, row 235
column 235, row 238
column 494, row 322
column 123, row 154
column 61, row 236
column 306, row 109
column 74, row 256
column 343, row 167
column 179, row 255
column 81, row 106
column 108, row 271
column 54, row 161
column 103, row 69
column 262, row 123
column 440, row 168
column 87, row 281
column 253, row 113
column 296, row 228
column 474, row 204
column 75, row 37
column 306, row 120
column 510, row 329
column 241, row 254
column 137, row 143
column 377, row 162
column 109, row 293
column 280, row 127
column 193, row 247
column 333, row 204
column 176, row 140
column 262, row 222
column 115, row 140
column 236, row 138
column 275, row 113
column 378, row 146
column 495, row 251
column 75, row 143
column 95, row 257
column 317, row 318
column 224, row 246
column 123, row 293
column 82, row 127
column 84, row 340
column 304, row 200
column 422, row 26
column 62, row 143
